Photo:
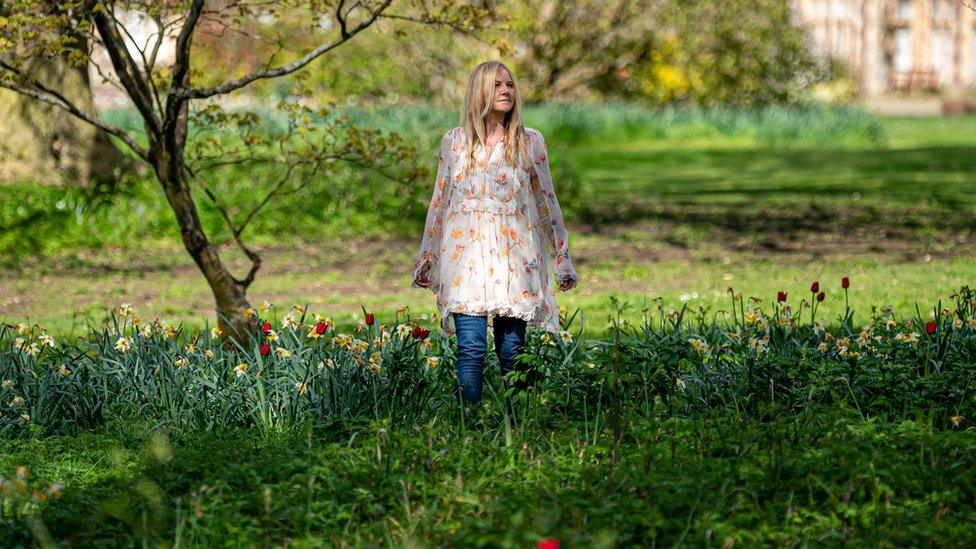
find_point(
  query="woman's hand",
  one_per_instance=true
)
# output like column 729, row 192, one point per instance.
column 567, row 284
column 423, row 279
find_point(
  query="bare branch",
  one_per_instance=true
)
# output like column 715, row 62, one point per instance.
column 125, row 67
column 227, row 87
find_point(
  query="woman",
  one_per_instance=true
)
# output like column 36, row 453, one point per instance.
column 492, row 226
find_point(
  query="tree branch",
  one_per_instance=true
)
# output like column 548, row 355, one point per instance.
column 45, row 94
column 227, row 87
column 124, row 66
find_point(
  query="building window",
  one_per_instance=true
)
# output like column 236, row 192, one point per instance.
column 906, row 9
column 902, row 60
column 942, row 47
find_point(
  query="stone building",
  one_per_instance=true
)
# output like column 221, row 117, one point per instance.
column 896, row 45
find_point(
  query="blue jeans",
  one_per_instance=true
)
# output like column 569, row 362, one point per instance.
column 472, row 345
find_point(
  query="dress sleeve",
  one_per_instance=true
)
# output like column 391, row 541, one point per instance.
column 434, row 227
column 552, row 227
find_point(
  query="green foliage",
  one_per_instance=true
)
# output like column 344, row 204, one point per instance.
column 686, row 428
column 730, row 53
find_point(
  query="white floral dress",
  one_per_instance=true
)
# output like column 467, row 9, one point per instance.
column 494, row 240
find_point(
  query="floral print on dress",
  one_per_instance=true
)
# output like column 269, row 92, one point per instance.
column 494, row 241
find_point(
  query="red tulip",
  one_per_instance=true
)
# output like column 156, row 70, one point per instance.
column 370, row 319
column 781, row 296
column 265, row 349
column 551, row 543
column 416, row 332
column 821, row 296
column 845, row 283
column 424, row 333
column 321, row 327
column 266, row 328
column 930, row 327
column 815, row 287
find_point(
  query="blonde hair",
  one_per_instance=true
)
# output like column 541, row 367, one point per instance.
column 477, row 104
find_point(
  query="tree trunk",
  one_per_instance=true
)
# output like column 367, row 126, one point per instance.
column 230, row 296
column 45, row 144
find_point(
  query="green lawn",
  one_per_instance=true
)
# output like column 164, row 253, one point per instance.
column 683, row 210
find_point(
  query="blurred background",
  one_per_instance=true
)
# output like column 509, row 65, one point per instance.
column 757, row 145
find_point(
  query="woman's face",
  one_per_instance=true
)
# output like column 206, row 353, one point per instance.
column 504, row 96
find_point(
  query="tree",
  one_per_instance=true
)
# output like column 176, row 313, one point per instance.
column 184, row 146
column 562, row 47
column 50, row 146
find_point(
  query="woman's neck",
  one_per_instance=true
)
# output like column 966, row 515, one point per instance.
column 494, row 124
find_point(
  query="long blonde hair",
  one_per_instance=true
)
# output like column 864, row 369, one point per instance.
column 477, row 104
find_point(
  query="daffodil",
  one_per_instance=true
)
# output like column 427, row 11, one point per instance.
column 190, row 348
column 17, row 402
column 147, row 331
column 23, row 329
column 248, row 312
column 264, row 306
column 679, row 383
column 281, row 352
column 47, row 340
column 547, row 339
column 302, row 387
column 19, row 343
column 272, row 335
column 566, row 337
column 216, row 332
column 433, row 362
column 700, row 346
column 208, row 354
column 63, row 370
column 123, row 311
column 8, row 384
column 591, row 365
column 180, row 362
column 124, row 344
column 241, row 368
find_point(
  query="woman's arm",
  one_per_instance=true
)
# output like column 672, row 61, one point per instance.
column 424, row 273
column 550, row 215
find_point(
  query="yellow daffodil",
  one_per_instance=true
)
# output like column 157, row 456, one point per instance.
column 264, row 306
column 63, row 370
column 23, row 329
column 47, row 340
column 8, row 384
column 124, row 344
column 208, row 354
column 302, row 387
column 147, row 331
column 248, row 312
column 180, row 362
column 433, row 362
column 700, row 346
column 281, row 352
column 216, row 332
column 241, row 368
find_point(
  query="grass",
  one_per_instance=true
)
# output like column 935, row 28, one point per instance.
column 674, row 205
column 711, row 482
column 651, row 212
